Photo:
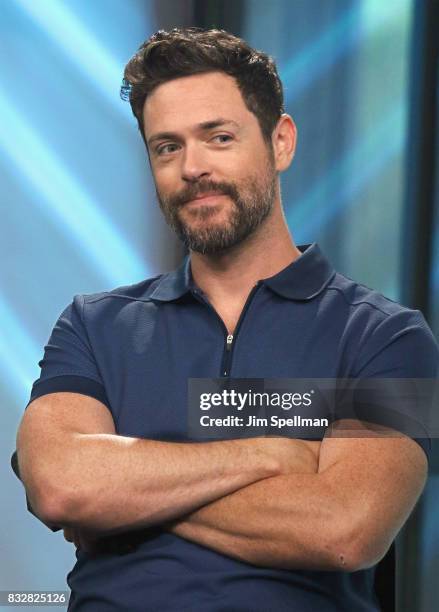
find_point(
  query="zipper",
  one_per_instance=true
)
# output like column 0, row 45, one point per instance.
column 230, row 339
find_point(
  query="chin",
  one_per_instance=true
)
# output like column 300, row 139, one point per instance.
column 203, row 225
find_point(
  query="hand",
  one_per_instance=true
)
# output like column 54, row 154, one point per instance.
column 93, row 543
column 293, row 455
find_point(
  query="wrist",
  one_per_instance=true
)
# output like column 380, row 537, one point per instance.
column 255, row 457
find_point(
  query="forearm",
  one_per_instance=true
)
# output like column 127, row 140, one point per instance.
column 288, row 521
column 112, row 483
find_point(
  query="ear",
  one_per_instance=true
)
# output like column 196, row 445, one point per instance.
column 284, row 142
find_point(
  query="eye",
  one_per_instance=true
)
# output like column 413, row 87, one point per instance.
column 223, row 136
column 163, row 149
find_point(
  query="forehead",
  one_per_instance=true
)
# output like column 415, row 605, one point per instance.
column 190, row 100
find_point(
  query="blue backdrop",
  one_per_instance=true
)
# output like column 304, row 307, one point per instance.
column 78, row 208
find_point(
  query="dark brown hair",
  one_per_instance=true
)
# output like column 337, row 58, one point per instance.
column 186, row 51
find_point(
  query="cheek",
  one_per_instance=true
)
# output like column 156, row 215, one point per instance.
column 247, row 164
column 165, row 181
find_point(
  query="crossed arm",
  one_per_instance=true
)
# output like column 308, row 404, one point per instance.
column 270, row 502
column 344, row 516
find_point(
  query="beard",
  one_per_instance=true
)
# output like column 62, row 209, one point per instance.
column 252, row 201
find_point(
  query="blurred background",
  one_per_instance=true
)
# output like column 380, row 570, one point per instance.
column 79, row 214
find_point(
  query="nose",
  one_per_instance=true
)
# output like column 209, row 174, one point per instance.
column 195, row 164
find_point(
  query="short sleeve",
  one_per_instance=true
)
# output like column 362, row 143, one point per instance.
column 395, row 377
column 68, row 363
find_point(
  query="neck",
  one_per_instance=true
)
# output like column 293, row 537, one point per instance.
column 232, row 274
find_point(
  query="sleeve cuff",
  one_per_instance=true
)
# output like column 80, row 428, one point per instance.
column 72, row 384
column 425, row 444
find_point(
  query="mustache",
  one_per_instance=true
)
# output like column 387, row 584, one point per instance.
column 195, row 190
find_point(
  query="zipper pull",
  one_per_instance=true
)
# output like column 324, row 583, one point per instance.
column 229, row 342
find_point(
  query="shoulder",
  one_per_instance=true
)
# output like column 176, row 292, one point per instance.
column 369, row 312
column 360, row 297
column 388, row 336
column 115, row 304
column 126, row 293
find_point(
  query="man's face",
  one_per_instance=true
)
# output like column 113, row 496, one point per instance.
column 203, row 141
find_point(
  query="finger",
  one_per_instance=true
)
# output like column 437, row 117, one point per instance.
column 68, row 534
column 83, row 544
column 77, row 538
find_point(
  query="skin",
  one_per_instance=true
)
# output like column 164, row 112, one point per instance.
column 327, row 514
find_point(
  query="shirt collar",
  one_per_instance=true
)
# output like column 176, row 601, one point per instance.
column 305, row 277
column 302, row 279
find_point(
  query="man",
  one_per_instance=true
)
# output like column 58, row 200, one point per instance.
column 165, row 523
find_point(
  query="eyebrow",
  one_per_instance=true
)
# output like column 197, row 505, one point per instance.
column 204, row 126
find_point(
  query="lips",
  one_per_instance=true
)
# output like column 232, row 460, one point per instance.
column 208, row 195
column 205, row 197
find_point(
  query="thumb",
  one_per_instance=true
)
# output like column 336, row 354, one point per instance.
column 69, row 534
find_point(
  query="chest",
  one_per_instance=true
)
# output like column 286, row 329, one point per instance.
column 146, row 359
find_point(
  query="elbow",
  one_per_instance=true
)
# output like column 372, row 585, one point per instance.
column 49, row 509
column 53, row 505
column 357, row 549
column 355, row 558
column 348, row 559
column 364, row 555
column 52, row 496
column 52, row 509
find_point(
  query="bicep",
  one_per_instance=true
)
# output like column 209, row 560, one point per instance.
column 48, row 424
column 377, row 479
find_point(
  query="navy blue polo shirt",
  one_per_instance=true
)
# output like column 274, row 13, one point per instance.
column 134, row 349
